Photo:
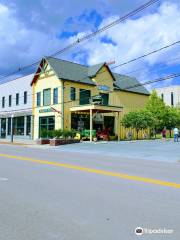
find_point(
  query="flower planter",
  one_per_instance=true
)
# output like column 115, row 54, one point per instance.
column 43, row 141
column 57, row 142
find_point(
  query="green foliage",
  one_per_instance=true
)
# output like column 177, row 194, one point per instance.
column 157, row 109
column 172, row 118
column 138, row 120
column 44, row 133
column 58, row 133
column 164, row 116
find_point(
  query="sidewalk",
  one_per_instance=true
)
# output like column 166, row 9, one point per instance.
column 19, row 142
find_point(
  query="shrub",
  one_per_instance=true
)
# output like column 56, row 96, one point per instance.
column 44, row 133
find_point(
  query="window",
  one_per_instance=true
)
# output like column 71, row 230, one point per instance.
column 3, row 102
column 17, row 98
column 9, row 126
column 72, row 94
column 172, row 99
column 38, row 99
column 10, row 100
column 105, row 98
column 28, row 126
column 46, row 123
column 85, row 96
column 18, row 125
column 162, row 96
column 47, row 97
column 25, row 97
column 55, row 96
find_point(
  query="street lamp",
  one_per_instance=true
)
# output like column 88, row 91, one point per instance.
column 12, row 116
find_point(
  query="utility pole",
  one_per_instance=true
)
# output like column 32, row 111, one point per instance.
column 12, row 129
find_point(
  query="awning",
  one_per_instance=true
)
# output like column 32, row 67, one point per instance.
column 96, row 108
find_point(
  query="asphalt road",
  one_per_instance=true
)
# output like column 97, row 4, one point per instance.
column 60, row 194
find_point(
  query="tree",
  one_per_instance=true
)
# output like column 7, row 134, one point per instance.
column 157, row 108
column 138, row 120
column 172, row 118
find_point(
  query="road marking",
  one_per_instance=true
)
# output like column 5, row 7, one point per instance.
column 97, row 171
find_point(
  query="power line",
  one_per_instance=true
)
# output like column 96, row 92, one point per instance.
column 158, row 68
column 174, row 75
column 147, row 54
column 171, row 76
column 88, row 36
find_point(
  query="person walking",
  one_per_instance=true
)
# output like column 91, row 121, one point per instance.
column 164, row 133
column 176, row 134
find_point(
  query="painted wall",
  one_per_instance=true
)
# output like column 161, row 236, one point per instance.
column 45, row 81
column 19, row 85
column 166, row 91
column 129, row 101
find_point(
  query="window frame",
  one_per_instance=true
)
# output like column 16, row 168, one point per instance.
column 25, row 97
column 38, row 99
column 10, row 101
column 172, row 99
column 55, row 95
column 3, row 102
column 48, row 104
column 17, row 99
column 72, row 93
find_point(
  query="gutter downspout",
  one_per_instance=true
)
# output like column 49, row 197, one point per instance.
column 62, row 101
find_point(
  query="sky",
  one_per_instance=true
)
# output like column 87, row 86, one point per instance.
column 32, row 29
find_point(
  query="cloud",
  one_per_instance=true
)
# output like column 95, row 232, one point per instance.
column 32, row 29
column 20, row 45
column 136, row 37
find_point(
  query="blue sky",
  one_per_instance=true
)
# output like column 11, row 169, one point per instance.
column 32, row 29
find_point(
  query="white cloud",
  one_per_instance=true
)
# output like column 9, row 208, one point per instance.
column 19, row 44
column 138, row 36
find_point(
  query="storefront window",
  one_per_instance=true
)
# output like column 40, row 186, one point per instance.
column 47, row 97
column 28, row 126
column 3, row 127
column 9, row 126
column 46, row 123
column 18, row 125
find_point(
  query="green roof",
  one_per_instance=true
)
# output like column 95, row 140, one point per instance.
column 92, row 71
column 83, row 74
column 129, row 84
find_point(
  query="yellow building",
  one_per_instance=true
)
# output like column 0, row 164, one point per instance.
column 68, row 95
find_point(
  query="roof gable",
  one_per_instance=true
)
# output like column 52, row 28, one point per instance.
column 93, row 70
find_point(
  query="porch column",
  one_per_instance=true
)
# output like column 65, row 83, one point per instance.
column 91, row 125
column 25, row 125
column 118, row 126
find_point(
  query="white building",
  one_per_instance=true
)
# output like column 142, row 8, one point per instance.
column 16, row 108
column 170, row 95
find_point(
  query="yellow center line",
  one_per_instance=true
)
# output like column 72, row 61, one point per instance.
column 97, row 171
